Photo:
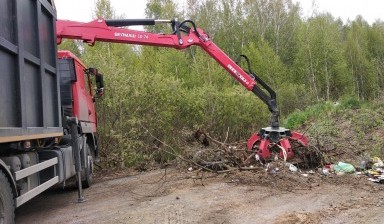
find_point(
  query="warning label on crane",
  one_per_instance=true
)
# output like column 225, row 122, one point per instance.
column 241, row 77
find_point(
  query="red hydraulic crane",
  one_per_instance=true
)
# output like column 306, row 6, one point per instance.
column 185, row 34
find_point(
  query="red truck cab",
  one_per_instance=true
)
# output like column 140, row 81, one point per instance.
column 78, row 90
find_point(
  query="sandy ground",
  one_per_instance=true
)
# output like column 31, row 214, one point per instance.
column 173, row 196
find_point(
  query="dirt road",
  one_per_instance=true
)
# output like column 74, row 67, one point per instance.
column 242, row 197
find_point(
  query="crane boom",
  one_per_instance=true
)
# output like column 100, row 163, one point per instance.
column 99, row 30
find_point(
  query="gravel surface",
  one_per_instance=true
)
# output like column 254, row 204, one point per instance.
column 173, row 196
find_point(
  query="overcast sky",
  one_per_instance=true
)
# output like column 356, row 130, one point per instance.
column 81, row 10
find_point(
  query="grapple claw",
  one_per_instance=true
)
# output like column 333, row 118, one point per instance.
column 302, row 139
column 263, row 150
column 286, row 151
column 269, row 138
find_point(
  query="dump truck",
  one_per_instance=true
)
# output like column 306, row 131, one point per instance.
column 48, row 120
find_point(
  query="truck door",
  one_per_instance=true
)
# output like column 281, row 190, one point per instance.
column 77, row 91
column 85, row 102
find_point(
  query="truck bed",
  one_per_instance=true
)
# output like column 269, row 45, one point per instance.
column 29, row 87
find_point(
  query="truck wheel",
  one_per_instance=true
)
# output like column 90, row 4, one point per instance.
column 7, row 209
column 88, row 172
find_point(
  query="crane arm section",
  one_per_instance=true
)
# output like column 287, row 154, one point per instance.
column 106, row 31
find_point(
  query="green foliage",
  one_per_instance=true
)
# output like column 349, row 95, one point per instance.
column 350, row 102
column 360, row 64
column 267, row 63
column 377, row 149
column 325, row 128
column 104, row 9
column 295, row 119
column 351, row 119
column 319, row 60
column 70, row 45
column 274, row 21
column 317, row 111
column 366, row 120
column 161, row 9
column 292, row 97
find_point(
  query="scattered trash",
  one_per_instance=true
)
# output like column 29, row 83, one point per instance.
column 376, row 173
column 275, row 170
column 372, row 173
column 325, row 172
column 267, row 167
column 377, row 163
column 379, row 180
column 190, row 169
column 292, row 167
column 304, row 174
column 373, row 168
column 343, row 167
column 363, row 165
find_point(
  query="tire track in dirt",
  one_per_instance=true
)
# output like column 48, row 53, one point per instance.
column 244, row 197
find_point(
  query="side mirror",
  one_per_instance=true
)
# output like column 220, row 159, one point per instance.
column 99, row 81
column 99, row 85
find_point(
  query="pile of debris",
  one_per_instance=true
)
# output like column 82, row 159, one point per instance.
column 308, row 161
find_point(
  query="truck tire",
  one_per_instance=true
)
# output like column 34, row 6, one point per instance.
column 7, row 208
column 88, row 172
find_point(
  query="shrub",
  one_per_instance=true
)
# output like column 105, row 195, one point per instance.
column 350, row 102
